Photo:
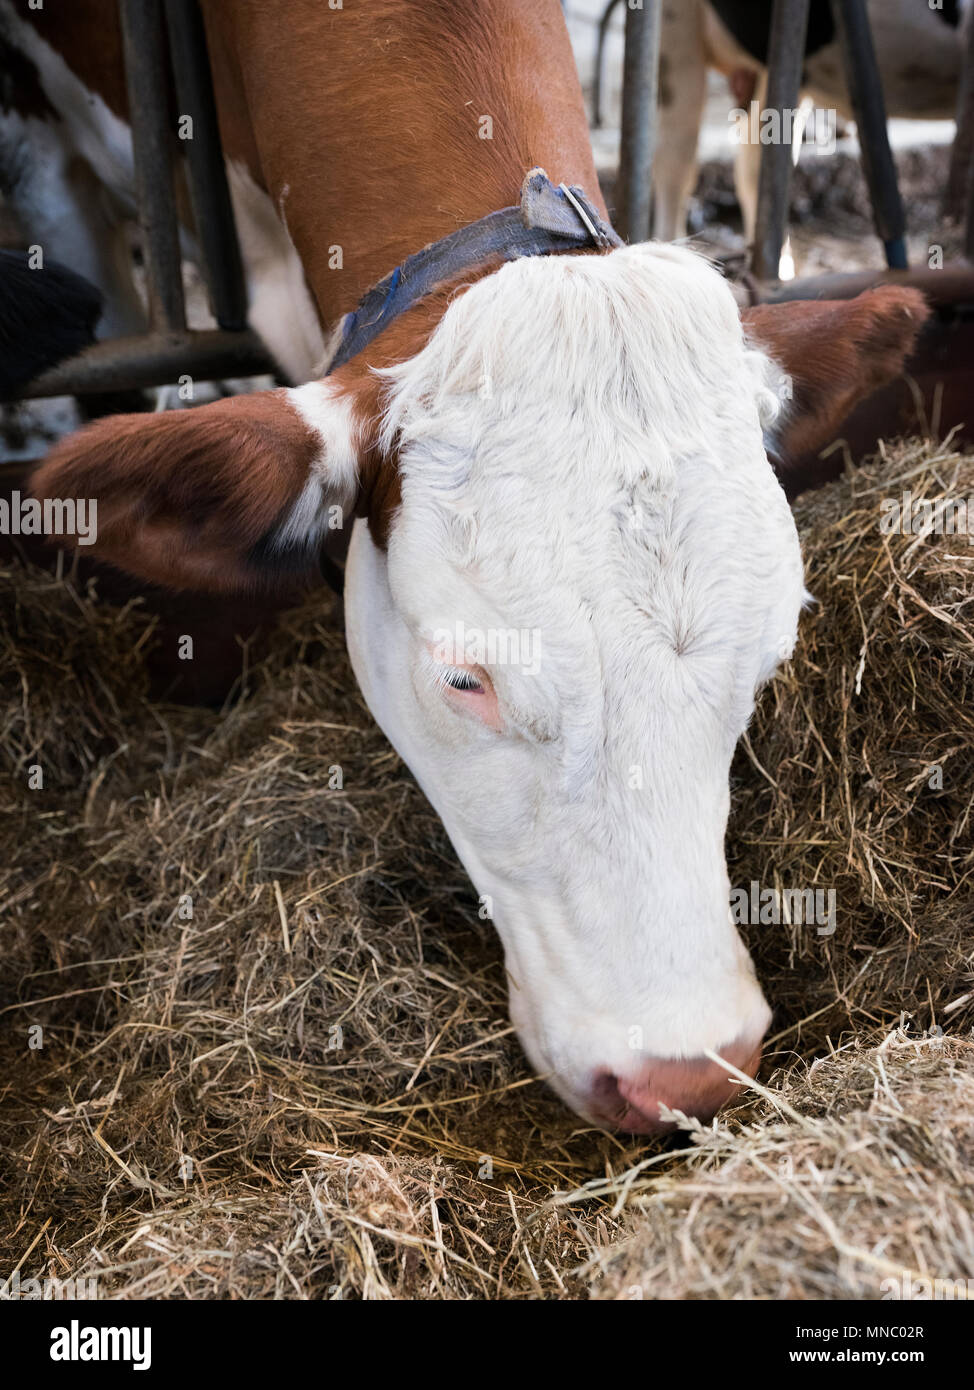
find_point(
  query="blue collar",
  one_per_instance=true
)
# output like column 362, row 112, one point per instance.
column 547, row 220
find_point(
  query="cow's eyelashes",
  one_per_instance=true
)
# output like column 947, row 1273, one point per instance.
column 458, row 678
column 468, row 690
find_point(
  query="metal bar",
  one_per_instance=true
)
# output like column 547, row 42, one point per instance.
column 640, row 75
column 965, row 135
column 866, row 95
column 144, row 41
column 155, row 359
column 951, row 288
column 786, row 58
column 209, row 191
column 956, row 201
column 607, row 14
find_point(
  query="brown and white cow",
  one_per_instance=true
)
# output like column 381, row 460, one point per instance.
column 569, row 449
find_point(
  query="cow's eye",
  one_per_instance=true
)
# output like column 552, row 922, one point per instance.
column 470, row 691
column 458, row 678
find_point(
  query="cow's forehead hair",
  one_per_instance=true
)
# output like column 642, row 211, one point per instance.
column 570, row 420
column 642, row 347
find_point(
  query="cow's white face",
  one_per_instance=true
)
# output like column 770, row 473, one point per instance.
column 592, row 571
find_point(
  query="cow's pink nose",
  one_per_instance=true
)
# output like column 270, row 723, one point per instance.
column 695, row 1085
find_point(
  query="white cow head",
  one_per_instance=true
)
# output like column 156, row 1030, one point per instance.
column 591, row 571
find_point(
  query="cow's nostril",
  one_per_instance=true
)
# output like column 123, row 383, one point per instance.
column 695, row 1085
column 606, row 1096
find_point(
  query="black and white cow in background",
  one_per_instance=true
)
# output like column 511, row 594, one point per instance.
column 919, row 48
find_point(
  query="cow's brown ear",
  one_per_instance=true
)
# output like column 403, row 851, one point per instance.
column 224, row 497
column 836, row 352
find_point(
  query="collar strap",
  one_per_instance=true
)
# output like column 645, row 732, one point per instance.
column 547, row 219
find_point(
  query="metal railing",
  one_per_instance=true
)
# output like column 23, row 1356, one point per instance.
column 789, row 23
column 166, row 38
column 163, row 39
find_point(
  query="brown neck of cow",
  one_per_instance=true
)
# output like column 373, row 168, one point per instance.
column 379, row 472
column 375, row 129
column 379, row 128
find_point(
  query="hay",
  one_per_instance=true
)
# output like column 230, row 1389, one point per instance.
column 309, row 1087
column 861, row 1188
column 839, row 781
